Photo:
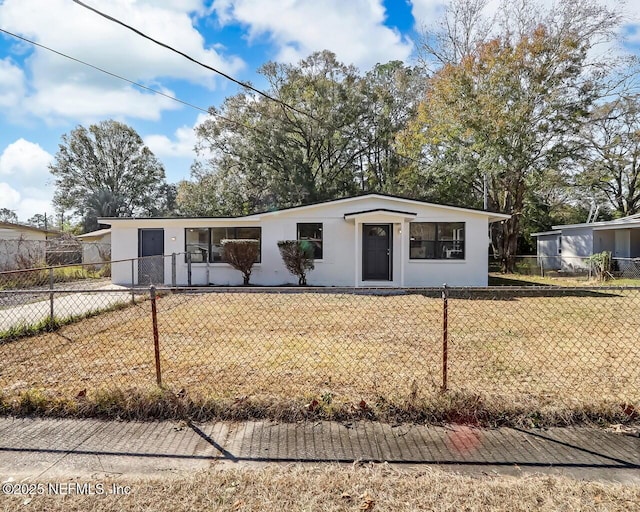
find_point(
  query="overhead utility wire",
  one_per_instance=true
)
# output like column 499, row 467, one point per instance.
column 155, row 91
column 228, row 77
column 188, row 57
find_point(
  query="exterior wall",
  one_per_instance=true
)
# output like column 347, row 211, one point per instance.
column 124, row 245
column 93, row 246
column 635, row 243
column 547, row 251
column 341, row 263
column 577, row 244
column 24, row 234
column 603, row 240
column 622, row 243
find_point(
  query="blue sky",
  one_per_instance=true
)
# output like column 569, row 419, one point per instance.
column 43, row 95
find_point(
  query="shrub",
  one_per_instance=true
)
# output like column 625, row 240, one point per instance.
column 241, row 255
column 298, row 258
column 600, row 264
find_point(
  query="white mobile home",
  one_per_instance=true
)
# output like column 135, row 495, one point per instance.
column 369, row 240
column 567, row 246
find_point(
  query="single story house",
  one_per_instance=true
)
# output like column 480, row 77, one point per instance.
column 367, row 240
column 566, row 247
column 96, row 246
column 23, row 246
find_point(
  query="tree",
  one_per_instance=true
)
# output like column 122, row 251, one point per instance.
column 39, row 221
column 261, row 155
column 106, row 170
column 612, row 159
column 241, row 255
column 7, row 215
column 297, row 256
column 508, row 114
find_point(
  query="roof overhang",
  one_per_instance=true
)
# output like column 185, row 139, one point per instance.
column 543, row 233
column 379, row 215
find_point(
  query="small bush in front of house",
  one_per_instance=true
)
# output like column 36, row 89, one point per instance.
column 600, row 264
column 298, row 258
column 241, row 255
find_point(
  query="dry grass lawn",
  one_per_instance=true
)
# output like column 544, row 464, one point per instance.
column 515, row 352
column 339, row 488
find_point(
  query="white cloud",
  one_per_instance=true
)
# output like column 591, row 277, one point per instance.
column 12, row 83
column 59, row 84
column 23, row 166
column 354, row 30
column 24, row 205
column 182, row 146
column 24, row 160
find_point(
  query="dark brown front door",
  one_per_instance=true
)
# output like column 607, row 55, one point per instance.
column 376, row 252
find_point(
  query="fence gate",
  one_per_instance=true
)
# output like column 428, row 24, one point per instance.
column 150, row 251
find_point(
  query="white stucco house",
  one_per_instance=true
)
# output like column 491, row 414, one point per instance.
column 96, row 246
column 22, row 246
column 566, row 246
column 368, row 240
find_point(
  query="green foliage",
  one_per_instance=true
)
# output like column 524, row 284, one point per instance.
column 297, row 256
column 500, row 115
column 600, row 264
column 106, row 170
column 261, row 156
column 241, row 255
column 7, row 215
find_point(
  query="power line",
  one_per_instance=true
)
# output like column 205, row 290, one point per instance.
column 104, row 71
column 195, row 61
column 155, row 91
column 206, row 66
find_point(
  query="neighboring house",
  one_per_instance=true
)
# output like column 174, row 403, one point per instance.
column 566, row 246
column 22, row 246
column 369, row 240
column 96, row 246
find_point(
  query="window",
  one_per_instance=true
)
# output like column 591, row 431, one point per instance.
column 312, row 231
column 197, row 244
column 559, row 244
column 205, row 244
column 436, row 240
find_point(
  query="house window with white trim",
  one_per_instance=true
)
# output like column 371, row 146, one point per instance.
column 235, row 233
column 436, row 240
column 312, row 232
column 205, row 244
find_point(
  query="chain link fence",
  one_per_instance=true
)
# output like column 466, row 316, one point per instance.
column 324, row 346
column 578, row 268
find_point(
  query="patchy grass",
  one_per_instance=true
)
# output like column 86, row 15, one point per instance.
column 513, row 358
column 500, row 279
column 26, row 279
column 339, row 488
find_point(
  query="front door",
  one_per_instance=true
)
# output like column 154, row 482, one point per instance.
column 150, row 252
column 376, row 252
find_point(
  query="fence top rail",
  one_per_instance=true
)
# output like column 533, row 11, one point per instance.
column 433, row 289
column 56, row 291
column 36, row 269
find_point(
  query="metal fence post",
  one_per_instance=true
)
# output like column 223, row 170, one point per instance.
column 189, row 269
column 445, row 335
column 156, row 336
column 51, row 311
column 133, row 295
column 173, row 269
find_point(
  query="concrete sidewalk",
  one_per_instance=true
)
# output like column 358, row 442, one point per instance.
column 45, row 449
column 64, row 306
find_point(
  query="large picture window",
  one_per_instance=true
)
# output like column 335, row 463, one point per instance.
column 197, row 244
column 205, row 244
column 312, row 232
column 436, row 241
